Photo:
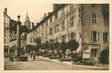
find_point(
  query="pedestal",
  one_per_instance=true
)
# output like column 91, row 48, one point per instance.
column 21, row 58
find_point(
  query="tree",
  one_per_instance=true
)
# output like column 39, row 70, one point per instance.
column 38, row 41
column 47, row 45
column 56, row 45
column 63, row 49
column 51, row 44
column 73, row 45
column 104, row 58
column 63, row 45
column 28, row 48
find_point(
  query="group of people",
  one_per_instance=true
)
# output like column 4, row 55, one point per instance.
column 55, row 49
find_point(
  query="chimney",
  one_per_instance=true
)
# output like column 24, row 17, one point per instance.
column 44, row 16
column 32, row 25
column 5, row 11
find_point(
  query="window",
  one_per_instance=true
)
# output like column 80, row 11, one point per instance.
column 56, row 28
column 62, row 11
column 63, row 26
column 94, row 36
column 79, row 11
column 94, row 52
column 93, row 18
column 71, row 21
column 98, row 36
column 71, row 7
column 105, row 36
column 50, row 31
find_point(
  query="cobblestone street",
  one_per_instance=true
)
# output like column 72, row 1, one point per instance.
column 45, row 64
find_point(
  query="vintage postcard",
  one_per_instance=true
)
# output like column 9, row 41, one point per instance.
column 55, row 35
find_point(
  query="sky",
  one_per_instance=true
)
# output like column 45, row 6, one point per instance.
column 34, row 8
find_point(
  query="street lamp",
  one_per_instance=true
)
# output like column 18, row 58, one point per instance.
column 18, row 36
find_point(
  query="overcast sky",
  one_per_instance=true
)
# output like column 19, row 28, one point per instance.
column 35, row 8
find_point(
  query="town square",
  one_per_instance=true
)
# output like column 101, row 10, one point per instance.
column 66, row 37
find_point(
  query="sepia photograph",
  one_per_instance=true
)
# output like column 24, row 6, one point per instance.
column 55, row 36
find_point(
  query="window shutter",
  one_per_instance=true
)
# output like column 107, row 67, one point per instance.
column 98, row 36
column 91, row 36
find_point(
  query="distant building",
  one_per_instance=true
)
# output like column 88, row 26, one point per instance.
column 10, row 34
column 27, row 22
column 75, row 21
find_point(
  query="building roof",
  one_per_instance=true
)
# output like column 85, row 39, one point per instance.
column 47, row 17
column 27, row 17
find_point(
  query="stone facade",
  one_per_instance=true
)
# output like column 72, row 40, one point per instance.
column 6, row 32
column 74, row 21
column 93, row 29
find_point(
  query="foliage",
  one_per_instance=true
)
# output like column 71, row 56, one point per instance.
column 104, row 57
column 38, row 40
column 63, row 45
column 73, row 45
column 56, row 45
column 47, row 45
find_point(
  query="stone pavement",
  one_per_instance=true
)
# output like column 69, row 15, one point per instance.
column 44, row 63
column 99, row 66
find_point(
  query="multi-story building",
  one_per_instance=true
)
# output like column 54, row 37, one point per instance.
column 84, row 23
column 6, row 32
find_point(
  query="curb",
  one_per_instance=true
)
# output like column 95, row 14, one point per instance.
column 70, row 63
